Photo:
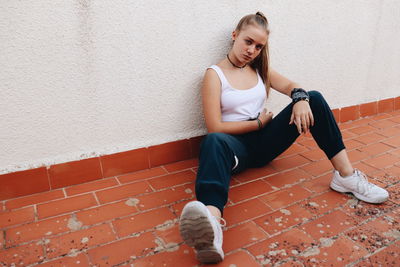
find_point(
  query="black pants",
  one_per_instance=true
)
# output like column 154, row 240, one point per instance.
column 257, row 148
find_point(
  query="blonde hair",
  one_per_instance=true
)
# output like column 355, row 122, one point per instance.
column 261, row 62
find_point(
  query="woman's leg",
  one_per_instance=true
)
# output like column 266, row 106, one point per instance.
column 219, row 154
column 199, row 223
column 278, row 136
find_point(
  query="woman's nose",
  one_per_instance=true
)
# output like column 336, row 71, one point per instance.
column 250, row 49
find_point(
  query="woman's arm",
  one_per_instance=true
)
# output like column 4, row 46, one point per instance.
column 302, row 115
column 211, row 96
column 282, row 84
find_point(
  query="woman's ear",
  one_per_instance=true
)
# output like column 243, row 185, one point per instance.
column 234, row 35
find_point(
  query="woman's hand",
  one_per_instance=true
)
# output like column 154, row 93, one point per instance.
column 265, row 117
column 302, row 116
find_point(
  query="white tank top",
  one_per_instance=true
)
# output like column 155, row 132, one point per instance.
column 240, row 105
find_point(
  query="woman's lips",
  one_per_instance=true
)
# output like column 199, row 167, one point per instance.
column 246, row 57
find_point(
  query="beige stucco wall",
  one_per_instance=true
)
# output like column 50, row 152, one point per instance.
column 81, row 78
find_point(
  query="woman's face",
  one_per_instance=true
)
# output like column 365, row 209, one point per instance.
column 249, row 42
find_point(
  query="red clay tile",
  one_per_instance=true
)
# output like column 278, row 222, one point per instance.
column 356, row 155
column 124, row 162
column 22, row 256
column 369, row 109
column 169, row 257
column 284, row 179
column 281, row 247
column 142, row 221
column 347, row 134
column 75, row 172
column 362, row 129
column 384, row 124
column 242, row 235
column 352, row 144
column 123, row 191
column 37, row 230
column 195, row 145
column 318, row 168
column 383, row 161
column 122, row 250
column 15, row 217
column 397, row 103
column 240, row 258
column 361, row 211
column 91, row 186
column 307, row 142
column 314, row 155
column 249, row 190
column 375, row 234
column 334, row 252
column 283, row 198
column 386, row 105
column 65, row 205
column 319, row 184
column 365, row 168
column 325, row 202
column 182, row 165
column 172, row 179
column 254, row 173
column 140, row 175
column 283, row 219
column 375, row 149
column 394, row 141
column 2, row 241
column 389, row 176
column 23, row 183
column 34, row 199
column 387, row 257
column 80, row 260
column 336, row 114
column 177, row 208
column 244, row 211
column 349, row 113
column 394, row 193
column 107, row 212
column 329, row 225
column 381, row 116
column 169, row 234
column 288, row 163
column 169, row 152
column 80, row 240
column 370, row 138
column 165, row 197
column 294, row 149
column 389, row 132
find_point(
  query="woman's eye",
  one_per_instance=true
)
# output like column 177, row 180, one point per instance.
column 248, row 42
column 258, row 47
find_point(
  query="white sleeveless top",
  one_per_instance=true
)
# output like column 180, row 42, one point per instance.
column 240, row 105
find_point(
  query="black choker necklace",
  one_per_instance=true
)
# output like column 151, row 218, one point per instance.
column 233, row 64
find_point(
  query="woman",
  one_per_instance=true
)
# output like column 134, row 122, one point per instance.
column 242, row 134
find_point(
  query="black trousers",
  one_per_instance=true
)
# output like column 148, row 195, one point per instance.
column 257, row 148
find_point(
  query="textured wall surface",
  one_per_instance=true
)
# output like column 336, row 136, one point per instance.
column 81, row 78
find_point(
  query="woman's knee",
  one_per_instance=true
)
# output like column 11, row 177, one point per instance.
column 316, row 98
column 213, row 139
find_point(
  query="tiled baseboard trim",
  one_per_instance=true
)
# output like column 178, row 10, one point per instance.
column 43, row 179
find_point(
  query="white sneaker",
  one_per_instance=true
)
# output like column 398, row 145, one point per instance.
column 358, row 184
column 201, row 230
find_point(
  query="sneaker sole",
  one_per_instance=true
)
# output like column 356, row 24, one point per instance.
column 340, row 189
column 197, row 232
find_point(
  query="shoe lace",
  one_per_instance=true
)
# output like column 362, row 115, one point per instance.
column 221, row 221
column 363, row 184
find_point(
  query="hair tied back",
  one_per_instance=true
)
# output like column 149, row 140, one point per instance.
column 261, row 15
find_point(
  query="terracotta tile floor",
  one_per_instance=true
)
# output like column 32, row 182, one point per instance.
column 282, row 214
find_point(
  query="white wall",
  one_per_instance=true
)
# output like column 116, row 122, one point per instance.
column 82, row 78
